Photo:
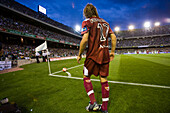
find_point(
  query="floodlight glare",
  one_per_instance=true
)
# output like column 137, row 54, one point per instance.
column 131, row 27
column 77, row 28
column 147, row 24
column 167, row 20
column 117, row 28
column 157, row 23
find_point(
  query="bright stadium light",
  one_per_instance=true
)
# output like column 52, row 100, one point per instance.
column 131, row 27
column 157, row 23
column 117, row 28
column 77, row 28
column 147, row 24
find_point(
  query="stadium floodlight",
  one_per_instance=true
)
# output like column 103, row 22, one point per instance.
column 147, row 24
column 131, row 27
column 77, row 28
column 157, row 23
column 117, row 29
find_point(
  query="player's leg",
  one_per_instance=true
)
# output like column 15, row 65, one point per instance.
column 88, row 70
column 104, row 72
column 93, row 106
column 89, row 88
column 105, row 93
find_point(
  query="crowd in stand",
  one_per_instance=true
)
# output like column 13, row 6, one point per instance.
column 21, row 8
column 165, row 40
column 10, row 23
column 55, row 52
column 17, row 52
column 159, row 30
column 26, row 52
column 144, row 51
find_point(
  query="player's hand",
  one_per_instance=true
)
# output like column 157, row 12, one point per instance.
column 78, row 59
column 112, row 55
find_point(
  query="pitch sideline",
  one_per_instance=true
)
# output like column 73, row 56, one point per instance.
column 114, row 82
column 68, row 69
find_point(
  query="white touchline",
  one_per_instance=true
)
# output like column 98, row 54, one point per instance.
column 68, row 68
column 69, row 75
column 115, row 82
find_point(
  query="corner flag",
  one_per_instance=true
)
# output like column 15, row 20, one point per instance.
column 41, row 47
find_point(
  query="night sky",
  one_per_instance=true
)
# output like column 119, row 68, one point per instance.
column 120, row 13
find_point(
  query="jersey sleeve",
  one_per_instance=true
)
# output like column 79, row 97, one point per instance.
column 85, row 27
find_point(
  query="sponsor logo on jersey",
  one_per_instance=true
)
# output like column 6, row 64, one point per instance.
column 88, row 81
column 107, row 88
column 84, row 29
column 104, row 46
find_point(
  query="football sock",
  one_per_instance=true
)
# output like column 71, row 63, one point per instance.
column 89, row 89
column 105, row 95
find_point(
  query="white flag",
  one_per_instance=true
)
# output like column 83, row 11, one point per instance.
column 41, row 47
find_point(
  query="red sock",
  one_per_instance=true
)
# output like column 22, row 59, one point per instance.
column 105, row 95
column 89, row 89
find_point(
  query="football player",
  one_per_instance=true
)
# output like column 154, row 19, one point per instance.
column 95, row 32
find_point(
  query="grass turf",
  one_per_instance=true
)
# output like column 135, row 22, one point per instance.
column 32, row 88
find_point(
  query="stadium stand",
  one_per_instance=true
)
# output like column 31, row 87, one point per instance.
column 143, row 50
column 63, row 52
column 14, row 52
column 12, row 23
column 21, row 8
column 159, row 30
column 157, row 40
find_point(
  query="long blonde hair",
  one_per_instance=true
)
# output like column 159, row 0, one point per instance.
column 90, row 10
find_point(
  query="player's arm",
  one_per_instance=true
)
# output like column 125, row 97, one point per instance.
column 83, row 44
column 113, row 43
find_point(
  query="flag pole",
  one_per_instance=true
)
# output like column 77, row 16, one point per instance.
column 48, row 63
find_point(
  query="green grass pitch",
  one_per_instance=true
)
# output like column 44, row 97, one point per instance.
column 32, row 88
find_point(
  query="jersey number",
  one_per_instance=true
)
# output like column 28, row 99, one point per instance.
column 102, row 37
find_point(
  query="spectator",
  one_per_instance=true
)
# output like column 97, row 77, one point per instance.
column 37, row 57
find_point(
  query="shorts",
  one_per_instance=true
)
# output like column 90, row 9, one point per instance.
column 91, row 67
